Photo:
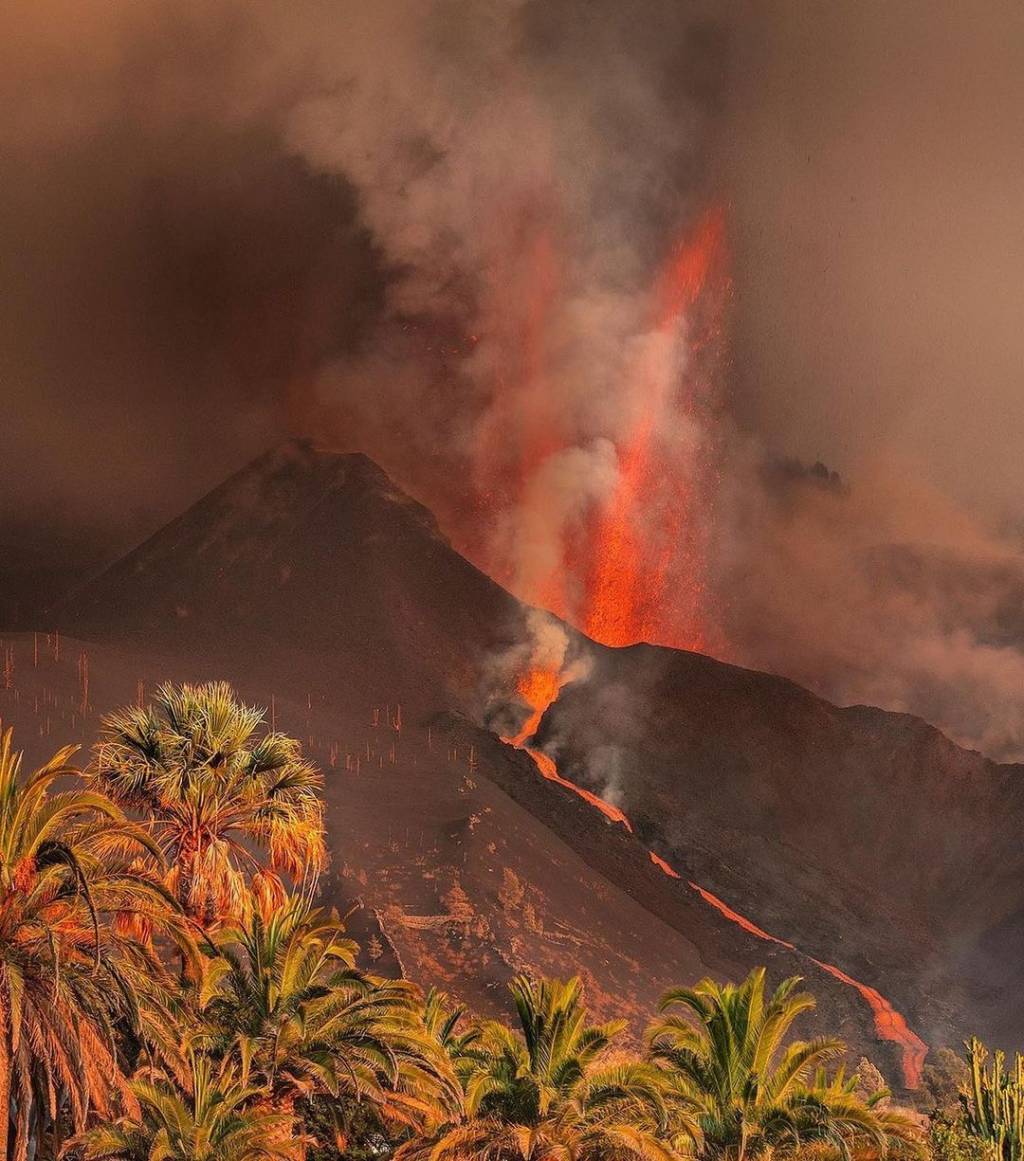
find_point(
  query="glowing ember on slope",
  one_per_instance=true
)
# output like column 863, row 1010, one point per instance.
column 889, row 1024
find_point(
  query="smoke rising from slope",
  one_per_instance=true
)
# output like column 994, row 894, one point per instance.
column 883, row 592
column 442, row 232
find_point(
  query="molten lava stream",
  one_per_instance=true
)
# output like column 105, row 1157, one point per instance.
column 738, row 919
column 548, row 768
column 538, row 689
column 889, row 1024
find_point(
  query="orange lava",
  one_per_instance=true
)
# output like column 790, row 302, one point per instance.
column 538, row 688
column 547, row 767
column 651, row 522
column 633, row 567
column 660, row 863
column 739, row 920
column 889, row 1025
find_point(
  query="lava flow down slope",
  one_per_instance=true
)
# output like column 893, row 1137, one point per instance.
column 506, row 794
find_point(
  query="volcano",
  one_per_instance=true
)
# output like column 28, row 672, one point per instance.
column 660, row 817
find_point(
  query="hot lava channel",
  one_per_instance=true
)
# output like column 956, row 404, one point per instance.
column 539, row 689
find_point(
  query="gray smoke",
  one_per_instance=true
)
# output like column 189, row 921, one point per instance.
column 429, row 231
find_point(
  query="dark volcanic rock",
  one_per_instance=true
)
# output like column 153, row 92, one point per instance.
column 313, row 552
column 866, row 839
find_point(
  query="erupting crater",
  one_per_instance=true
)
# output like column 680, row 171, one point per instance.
column 627, row 565
column 636, row 567
column 646, row 557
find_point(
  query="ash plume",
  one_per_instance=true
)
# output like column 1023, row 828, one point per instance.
column 438, row 232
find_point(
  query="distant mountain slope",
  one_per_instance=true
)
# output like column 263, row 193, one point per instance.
column 865, row 839
column 318, row 552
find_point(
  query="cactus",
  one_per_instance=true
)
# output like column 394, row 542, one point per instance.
column 993, row 1102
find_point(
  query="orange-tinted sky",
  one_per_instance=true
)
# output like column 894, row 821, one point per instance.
column 228, row 222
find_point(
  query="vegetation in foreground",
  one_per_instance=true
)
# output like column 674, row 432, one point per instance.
column 169, row 991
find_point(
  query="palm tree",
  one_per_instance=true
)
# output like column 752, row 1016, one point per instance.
column 288, row 1002
column 68, row 987
column 212, row 789
column 869, row 1131
column 726, row 1054
column 214, row 1118
column 445, row 1024
column 550, row 1091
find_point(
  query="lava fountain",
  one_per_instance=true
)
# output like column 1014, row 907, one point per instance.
column 621, row 549
column 644, row 575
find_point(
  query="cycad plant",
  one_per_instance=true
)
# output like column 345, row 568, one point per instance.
column 725, row 1050
column 69, row 985
column 552, row 1089
column 214, row 789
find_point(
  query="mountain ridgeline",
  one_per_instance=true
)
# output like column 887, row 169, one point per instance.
column 858, row 840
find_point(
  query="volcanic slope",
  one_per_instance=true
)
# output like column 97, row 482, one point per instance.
column 852, row 846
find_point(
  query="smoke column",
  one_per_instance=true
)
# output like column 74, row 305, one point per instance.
column 531, row 179
column 561, row 268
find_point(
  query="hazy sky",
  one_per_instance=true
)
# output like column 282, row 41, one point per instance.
column 229, row 222
column 165, row 267
column 876, row 160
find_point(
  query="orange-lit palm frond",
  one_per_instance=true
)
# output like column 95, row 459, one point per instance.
column 554, row 1089
column 213, row 1116
column 291, row 1006
column 215, row 792
column 726, row 1053
column 67, row 990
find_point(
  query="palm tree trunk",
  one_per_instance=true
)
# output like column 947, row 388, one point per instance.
column 23, row 1112
column 186, row 858
column 5, row 1070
